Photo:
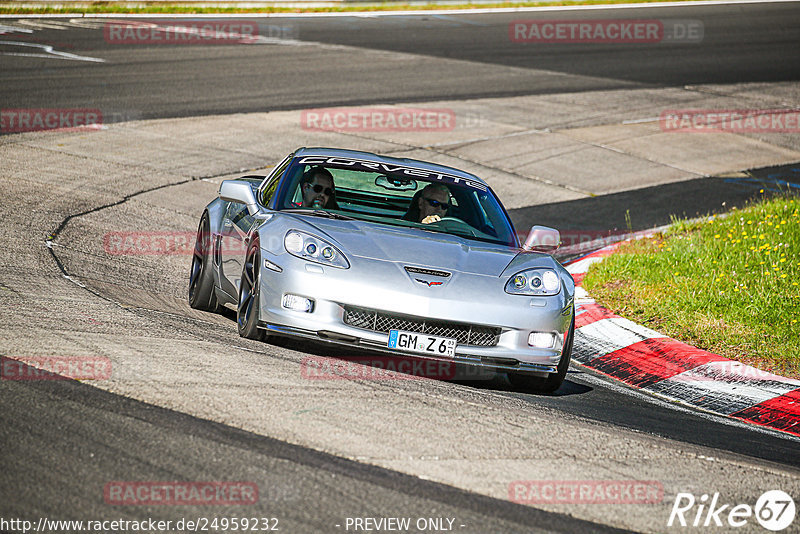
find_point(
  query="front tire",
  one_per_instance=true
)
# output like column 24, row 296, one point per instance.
column 201, row 276
column 249, row 291
column 553, row 381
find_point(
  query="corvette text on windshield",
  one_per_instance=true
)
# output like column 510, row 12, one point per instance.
column 393, row 169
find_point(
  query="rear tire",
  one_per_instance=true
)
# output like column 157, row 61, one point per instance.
column 201, row 276
column 553, row 381
column 249, row 291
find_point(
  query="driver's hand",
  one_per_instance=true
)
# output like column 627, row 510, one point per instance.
column 431, row 219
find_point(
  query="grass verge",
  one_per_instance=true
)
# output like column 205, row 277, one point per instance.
column 122, row 7
column 728, row 285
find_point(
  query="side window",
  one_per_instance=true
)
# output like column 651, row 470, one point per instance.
column 269, row 190
column 297, row 198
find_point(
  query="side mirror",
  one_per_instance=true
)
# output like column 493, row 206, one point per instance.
column 542, row 239
column 241, row 192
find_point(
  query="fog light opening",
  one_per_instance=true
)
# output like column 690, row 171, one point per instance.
column 297, row 303
column 541, row 340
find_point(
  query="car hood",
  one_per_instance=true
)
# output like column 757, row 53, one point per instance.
column 411, row 246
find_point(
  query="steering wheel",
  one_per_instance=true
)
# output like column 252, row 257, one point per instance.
column 456, row 225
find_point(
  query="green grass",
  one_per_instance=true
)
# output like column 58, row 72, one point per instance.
column 727, row 284
column 133, row 7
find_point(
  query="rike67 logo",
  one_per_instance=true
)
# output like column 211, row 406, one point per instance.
column 774, row 510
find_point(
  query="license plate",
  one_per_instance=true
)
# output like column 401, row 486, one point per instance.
column 422, row 343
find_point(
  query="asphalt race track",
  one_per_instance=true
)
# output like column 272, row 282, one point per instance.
column 441, row 57
column 188, row 400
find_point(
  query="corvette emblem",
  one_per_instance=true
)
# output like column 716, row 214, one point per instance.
column 427, row 272
column 429, row 284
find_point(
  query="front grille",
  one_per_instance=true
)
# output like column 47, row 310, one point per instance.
column 377, row 321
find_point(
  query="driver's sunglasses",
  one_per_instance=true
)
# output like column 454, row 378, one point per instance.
column 437, row 204
column 318, row 189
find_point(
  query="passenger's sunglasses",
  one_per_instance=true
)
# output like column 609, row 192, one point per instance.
column 318, row 189
column 437, row 204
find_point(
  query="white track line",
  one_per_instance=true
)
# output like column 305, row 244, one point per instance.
column 49, row 52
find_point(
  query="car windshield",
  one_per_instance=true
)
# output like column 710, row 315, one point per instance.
column 395, row 195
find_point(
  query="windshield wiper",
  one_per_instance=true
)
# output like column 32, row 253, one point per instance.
column 320, row 213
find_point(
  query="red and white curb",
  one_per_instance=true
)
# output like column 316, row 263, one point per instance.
column 646, row 359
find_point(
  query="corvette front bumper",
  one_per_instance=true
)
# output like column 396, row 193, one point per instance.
column 331, row 290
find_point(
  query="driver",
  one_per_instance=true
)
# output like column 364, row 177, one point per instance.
column 431, row 204
column 318, row 189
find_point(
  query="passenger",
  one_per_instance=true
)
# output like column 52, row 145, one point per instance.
column 318, row 189
column 429, row 205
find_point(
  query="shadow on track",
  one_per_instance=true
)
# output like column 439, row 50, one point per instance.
column 650, row 207
column 326, row 362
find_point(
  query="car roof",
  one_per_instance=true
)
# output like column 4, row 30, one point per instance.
column 369, row 156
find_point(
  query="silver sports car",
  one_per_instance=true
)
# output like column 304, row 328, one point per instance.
column 387, row 254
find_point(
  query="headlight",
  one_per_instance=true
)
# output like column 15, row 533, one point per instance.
column 314, row 249
column 534, row 282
